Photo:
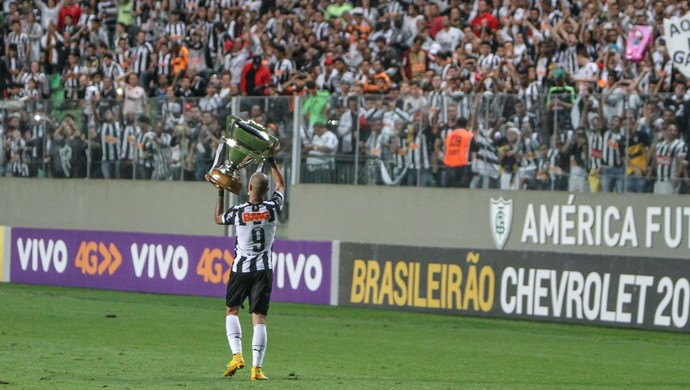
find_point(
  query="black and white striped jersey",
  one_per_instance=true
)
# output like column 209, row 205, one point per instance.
column 321, row 30
column 530, row 151
column 111, row 137
column 531, row 94
column 667, row 158
column 486, row 161
column 255, row 226
column 437, row 104
column 490, row 61
column 112, row 71
column 567, row 57
column 20, row 39
column 178, row 28
column 596, row 149
column 128, row 147
column 140, row 58
column 107, row 12
column 611, row 156
column 413, row 151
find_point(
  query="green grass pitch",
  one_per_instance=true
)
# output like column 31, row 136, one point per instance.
column 59, row 338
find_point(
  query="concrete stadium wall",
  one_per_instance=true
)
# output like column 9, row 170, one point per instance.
column 637, row 225
column 116, row 205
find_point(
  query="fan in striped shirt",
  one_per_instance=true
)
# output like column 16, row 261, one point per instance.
column 175, row 30
column 595, row 140
column 128, row 146
column 487, row 59
column 669, row 155
column 612, row 169
column 19, row 39
column 485, row 164
column 107, row 12
column 111, row 140
column 140, row 57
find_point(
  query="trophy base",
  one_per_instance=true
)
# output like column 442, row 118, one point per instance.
column 232, row 183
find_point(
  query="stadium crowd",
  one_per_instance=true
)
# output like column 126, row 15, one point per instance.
column 140, row 89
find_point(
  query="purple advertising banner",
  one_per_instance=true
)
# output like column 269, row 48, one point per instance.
column 161, row 263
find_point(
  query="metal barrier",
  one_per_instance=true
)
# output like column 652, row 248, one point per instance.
column 525, row 142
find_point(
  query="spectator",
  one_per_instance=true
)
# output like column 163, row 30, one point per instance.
column 129, row 149
column 577, row 149
column 162, row 153
column 315, row 108
column 111, row 141
column 378, row 152
column 204, row 147
column 255, row 77
column 336, row 9
column 485, row 161
column 49, row 12
column 459, row 144
column 509, row 158
column 136, row 99
column 484, row 19
column 449, row 37
column 34, row 32
column 595, row 140
column 668, row 161
column 320, row 152
column 68, row 9
column 612, row 168
column 140, row 58
column 179, row 59
column 415, row 61
column 637, row 157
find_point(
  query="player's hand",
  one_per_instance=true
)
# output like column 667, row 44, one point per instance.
column 273, row 149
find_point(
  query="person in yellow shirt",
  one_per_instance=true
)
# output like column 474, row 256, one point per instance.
column 637, row 159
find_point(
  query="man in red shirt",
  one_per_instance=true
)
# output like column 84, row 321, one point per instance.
column 71, row 9
column 483, row 18
column 434, row 20
column 255, row 77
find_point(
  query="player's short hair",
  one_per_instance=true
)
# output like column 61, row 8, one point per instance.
column 259, row 183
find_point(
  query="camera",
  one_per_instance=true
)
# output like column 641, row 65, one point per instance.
column 332, row 124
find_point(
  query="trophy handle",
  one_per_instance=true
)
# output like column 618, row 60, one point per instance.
column 229, row 122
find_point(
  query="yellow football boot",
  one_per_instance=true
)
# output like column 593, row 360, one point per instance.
column 237, row 363
column 258, row 375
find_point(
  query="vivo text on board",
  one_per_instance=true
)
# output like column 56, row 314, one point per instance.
column 160, row 262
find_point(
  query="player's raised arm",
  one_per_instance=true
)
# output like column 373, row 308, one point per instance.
column 277, row 176
column 220, row 203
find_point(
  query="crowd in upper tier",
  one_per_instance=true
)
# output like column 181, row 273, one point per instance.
column 121, row 89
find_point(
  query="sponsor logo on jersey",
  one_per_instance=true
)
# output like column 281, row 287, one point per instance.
column 256, row 216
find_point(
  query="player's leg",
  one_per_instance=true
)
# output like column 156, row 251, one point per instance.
column 259, row 300
column 237, row 289
column 259, row 341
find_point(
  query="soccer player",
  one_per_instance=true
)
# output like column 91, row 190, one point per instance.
column 252, row 275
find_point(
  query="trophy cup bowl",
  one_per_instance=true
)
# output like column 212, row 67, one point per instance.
column 245, row 142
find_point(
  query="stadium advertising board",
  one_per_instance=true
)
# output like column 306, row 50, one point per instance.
column 587, row 289
column 161, row 263
column 578, row 224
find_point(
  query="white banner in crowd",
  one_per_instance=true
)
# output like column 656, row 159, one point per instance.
column 677, row 33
